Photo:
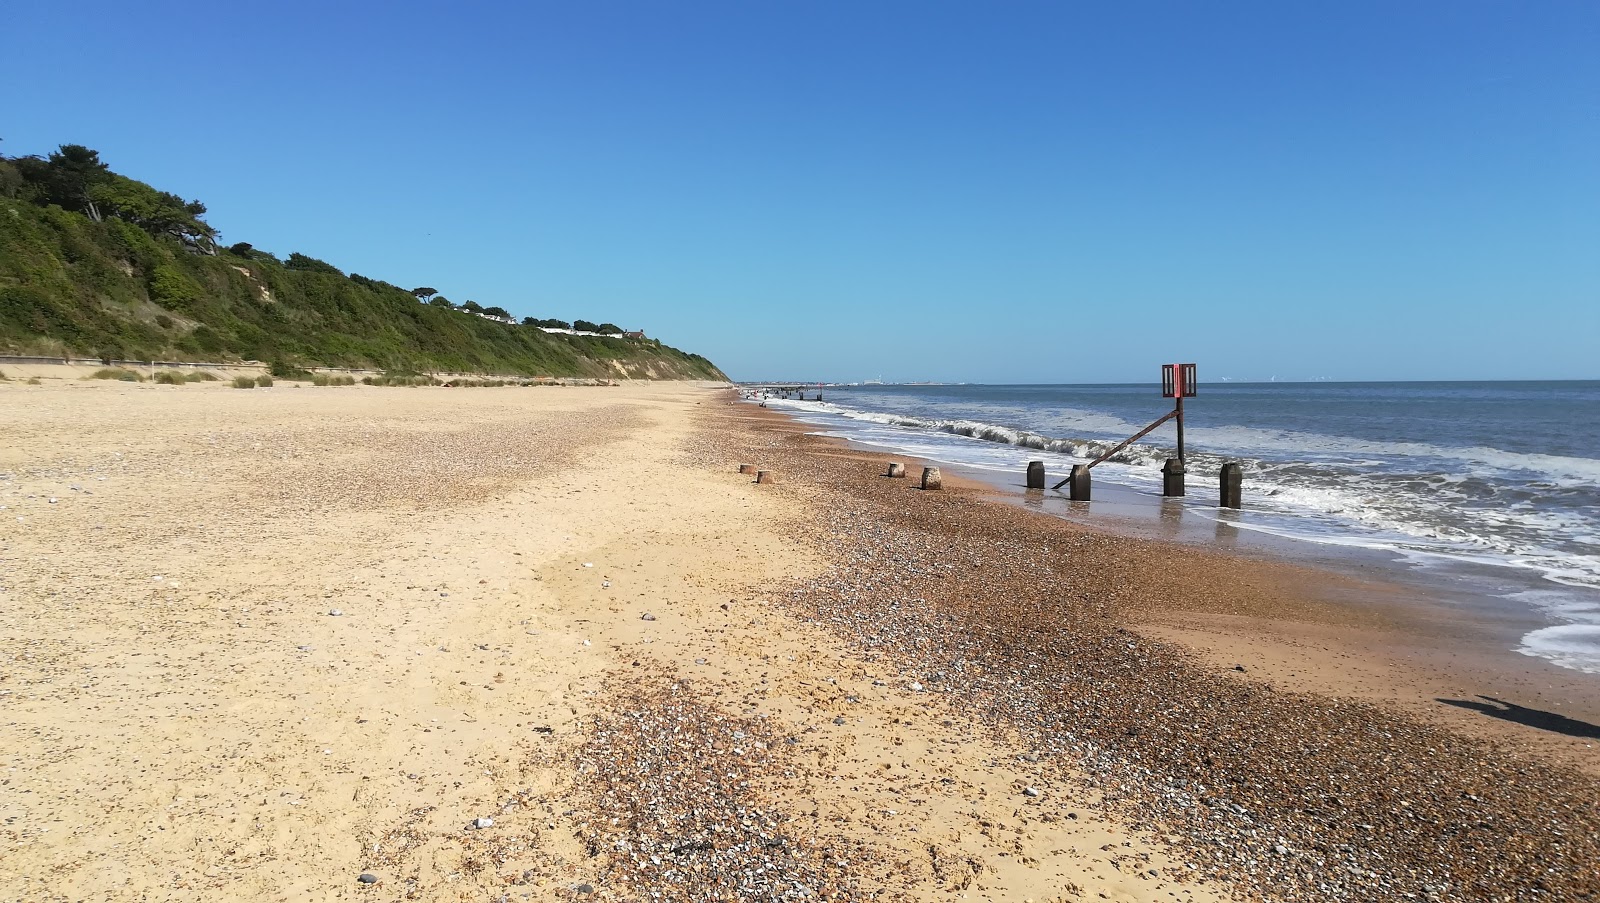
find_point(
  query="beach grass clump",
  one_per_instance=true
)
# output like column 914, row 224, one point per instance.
column 264, row 381
column 199, row 376
column 127, row 376
column 401, row 378
column 169, row 378
column 35, row 381
column 244, row 382
column 325, row 379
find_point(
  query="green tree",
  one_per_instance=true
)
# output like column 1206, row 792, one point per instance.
column 585, row 326
column 440, row 301
column 609, row 329
column 11, row 180
column 73, row 171
column 298, row 261
column 497, row 312
column 423, row 293
column 471, row 306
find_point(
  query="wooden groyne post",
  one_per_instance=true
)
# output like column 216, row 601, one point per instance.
column 1077, row 483
column 896, row 469
column 931, row 478
column 1232, row 485
column 1172, row 477
column 1035, row 474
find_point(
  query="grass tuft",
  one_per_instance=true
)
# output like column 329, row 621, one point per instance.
column 244, row 382
column 127, row 376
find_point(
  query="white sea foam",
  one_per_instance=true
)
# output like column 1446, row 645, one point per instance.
column 1328, row 486
column 1574, row 646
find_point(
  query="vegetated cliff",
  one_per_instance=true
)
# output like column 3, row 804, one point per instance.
column 104, row 277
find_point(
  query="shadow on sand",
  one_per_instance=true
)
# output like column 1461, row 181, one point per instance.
column 1545, row 721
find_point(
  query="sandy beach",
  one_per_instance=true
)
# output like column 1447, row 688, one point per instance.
column 547, row 643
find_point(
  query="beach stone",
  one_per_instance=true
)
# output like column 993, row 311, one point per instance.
column 585, row 888
column 368, row 878
column 838, row 719
column 335, row 613
column 482, row 823
column 1030, row 791
column 647, row 616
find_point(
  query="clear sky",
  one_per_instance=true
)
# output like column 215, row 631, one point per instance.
column 985, row 192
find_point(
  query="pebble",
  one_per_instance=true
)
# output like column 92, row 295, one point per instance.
column 1030, row 791
column 368, row 878
column 957, row 589
column 647, row 616
column 335, row 612
column 482, row 823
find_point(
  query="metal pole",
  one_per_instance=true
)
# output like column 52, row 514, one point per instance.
column 1180, row 428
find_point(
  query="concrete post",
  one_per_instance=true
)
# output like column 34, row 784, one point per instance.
column 931, row 479
column 896, row 469
column 766, row 476
column 747, row 468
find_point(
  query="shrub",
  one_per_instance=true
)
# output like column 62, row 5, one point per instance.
column 244, row 382
column 199, row 376
column 127, row 376
column 264, row 381
column 284, row 370
column 163, row 321
column 169, row 378
column 34, row 381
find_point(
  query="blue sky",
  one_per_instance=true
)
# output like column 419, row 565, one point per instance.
column 997, row 192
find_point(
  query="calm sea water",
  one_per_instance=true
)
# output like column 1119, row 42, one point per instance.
column 1493, row 477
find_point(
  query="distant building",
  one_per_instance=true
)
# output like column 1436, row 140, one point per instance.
column 506, row 320
column 634, row 335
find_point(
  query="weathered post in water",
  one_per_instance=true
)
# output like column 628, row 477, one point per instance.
column 1078, row 483
column 1172, row 477
column 1232, row 485
column 1035, row 474
column 931, row 478
column 896, row 469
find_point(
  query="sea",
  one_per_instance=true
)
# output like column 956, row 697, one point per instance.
column 1491, row 487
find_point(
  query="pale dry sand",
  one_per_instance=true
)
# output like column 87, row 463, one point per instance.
column 183, row 717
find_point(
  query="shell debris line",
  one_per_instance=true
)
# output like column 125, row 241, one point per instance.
column 1025, row 622
column 677, row 812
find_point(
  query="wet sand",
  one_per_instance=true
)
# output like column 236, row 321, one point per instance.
column 546, row 644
